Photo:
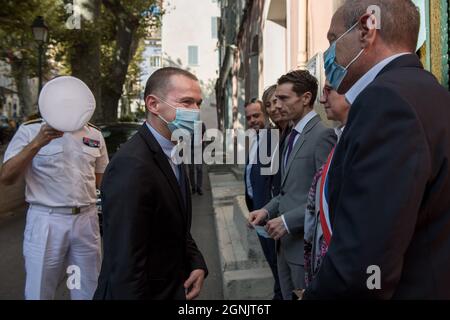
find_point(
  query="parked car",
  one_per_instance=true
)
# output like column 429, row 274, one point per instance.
column 115, row 135
column 6, row 131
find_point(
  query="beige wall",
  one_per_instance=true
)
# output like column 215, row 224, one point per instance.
column 319, row 19
column 274, row 52
column 304, row 25
column 188, row 23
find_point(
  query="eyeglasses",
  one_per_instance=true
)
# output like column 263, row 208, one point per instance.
column 327, row 90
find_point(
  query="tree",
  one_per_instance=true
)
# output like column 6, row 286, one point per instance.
column 17, row 47
column 98, row 50
column 133, row 22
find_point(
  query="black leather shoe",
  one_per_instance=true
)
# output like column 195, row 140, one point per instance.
column 200, row 192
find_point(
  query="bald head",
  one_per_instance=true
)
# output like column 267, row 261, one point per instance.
column 399, row 25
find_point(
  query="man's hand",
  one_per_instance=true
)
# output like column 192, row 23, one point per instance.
column 194, row 284
column 299, row 293
column 45, row 135
column 276, row 229
column 14, row 167
column 257, row 217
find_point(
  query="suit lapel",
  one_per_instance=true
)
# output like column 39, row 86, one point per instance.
column 163, row 163
column 298, row 145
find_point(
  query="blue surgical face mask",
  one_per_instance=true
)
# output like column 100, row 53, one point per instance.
column 184, row 119
column 334, row 72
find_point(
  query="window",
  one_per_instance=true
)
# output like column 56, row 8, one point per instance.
column 155, row 61
column 193, row 55
column 214, row 27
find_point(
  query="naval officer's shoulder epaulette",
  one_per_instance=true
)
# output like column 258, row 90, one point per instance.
column 93, row 126
column 33, row 122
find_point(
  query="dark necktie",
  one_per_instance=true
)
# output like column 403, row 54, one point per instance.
column 182, row 183
column 291, row 140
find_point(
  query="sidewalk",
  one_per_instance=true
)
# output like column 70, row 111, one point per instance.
column 246, row 274
column 204, row 234
column 12, row 271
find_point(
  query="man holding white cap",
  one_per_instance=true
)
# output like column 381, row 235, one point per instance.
column 62, row 169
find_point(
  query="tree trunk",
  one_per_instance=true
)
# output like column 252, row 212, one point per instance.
column 20, row 72
column 125, row 50
column 85, row 57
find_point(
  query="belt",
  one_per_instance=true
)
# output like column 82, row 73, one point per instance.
column 63, row 210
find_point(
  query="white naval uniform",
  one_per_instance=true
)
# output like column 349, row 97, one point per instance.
column 60, row 178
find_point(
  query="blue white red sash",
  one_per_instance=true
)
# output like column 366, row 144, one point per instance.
column 324, row 210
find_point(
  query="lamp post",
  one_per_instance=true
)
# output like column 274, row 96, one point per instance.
column 40, row 33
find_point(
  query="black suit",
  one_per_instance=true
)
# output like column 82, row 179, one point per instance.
column 390, row 191
column 148, row 248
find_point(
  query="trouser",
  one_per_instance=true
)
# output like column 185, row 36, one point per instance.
column 292, row 276
column 196, row 171
column 270, row 253
column 56, row 244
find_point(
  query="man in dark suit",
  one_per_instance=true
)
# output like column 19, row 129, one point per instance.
column 389, row 204
column 149, row 252
column 257, row 184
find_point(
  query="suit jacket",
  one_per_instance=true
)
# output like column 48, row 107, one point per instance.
column 275, row 180
column 309, row 153
column 260, row 183
column 389, row 187
column 148, row 248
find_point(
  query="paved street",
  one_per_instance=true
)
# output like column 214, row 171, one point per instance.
column 12, row 222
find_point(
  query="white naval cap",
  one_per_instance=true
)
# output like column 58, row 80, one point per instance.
column 66, row 103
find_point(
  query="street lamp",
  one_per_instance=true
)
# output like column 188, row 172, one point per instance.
column 40, row 33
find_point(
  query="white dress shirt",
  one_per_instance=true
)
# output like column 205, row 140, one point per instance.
column 299, row 127
column 167, row 146
column 338, row 131
column 252, row 158
column 368, row 78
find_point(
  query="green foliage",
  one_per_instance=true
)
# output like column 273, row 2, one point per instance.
column 16, row 38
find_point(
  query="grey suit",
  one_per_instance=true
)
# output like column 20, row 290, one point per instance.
column 308, row 154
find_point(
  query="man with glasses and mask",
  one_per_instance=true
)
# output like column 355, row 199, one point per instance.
column 149, row 252
column 389, row 179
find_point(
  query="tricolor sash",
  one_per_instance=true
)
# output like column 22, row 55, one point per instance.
column 324, row 210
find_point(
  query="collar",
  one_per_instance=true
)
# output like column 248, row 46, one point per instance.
column 166, row 145
column 368, row 78
column 338, row 131
column 304, row 121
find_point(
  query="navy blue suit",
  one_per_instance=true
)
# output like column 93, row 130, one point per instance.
column 389, row 191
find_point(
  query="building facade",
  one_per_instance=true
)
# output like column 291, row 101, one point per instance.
column 9, row 98
column 262, row 39
column 189, row 38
